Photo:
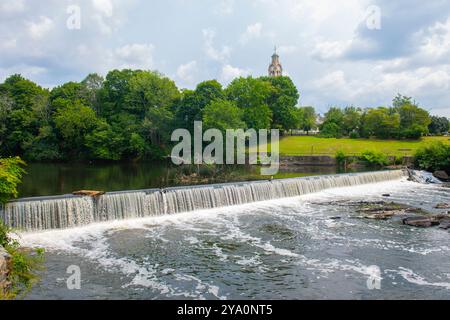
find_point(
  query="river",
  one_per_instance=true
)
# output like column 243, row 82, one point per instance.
column 308, row 247
column 49, row 179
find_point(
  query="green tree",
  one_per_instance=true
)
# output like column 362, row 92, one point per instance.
column 351, row 121
column 23, row 109
column 282, row 102
column 70, row 92
column 115, row 89
column 223, row 115
column 192, row 103
column 149, row 90
column 93, row 85
column 333, row 125
column 401, row 100
column 74, row 122
column 439, row 125
column 414, row 121
column 380, row 123
column 251, row 96
column 308, row 120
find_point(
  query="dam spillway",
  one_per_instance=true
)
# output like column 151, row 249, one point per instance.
column 61, row 212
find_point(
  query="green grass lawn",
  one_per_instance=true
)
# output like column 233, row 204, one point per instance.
column 301, row 146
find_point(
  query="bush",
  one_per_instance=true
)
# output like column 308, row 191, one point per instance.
column 330, row 130
column 354, row 135
column 11, row 172
column 24, row 264
column 434, row 157
column 340, row 158
column 374, row 158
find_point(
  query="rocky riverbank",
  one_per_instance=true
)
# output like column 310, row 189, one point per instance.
column 4, row 271
column 400, row 213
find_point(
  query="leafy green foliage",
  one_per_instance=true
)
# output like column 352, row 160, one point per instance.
column 381, row 122
column 251, row 96
column 23, row 266
column 341, row 157
column 306, row 118
column 282, row 102
column 130, row 114
column 222, row 115
column 11, row 172
column 332, row 127
column 435, row 156
column 439, row 125
column 374, row 158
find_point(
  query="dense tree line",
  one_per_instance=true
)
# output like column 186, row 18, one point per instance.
column 404, row 120
column 130, row 114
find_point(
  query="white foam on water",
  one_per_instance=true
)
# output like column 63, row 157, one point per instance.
column 227, row 220
column 414, row 278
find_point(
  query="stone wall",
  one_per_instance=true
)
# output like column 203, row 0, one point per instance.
column 307, row 161
column 4, row 262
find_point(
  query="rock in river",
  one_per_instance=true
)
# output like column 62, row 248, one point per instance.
column 420, row 221
column 441, row 175
column 442, row 206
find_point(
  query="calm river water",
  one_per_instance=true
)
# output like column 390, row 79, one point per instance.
column 46, row 179
column 284, row 249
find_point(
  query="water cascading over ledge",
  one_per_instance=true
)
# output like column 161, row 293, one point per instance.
column 60, row 212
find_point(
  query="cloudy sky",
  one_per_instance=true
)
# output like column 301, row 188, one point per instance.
column 337, row 52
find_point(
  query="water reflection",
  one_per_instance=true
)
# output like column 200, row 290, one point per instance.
column 45, row 179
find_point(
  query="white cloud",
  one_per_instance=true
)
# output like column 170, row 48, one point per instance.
column 325, row 50
column 229, row 73
column 435, row 43
column 39, row 29
column 134, row 56
column 253, row 31
column 105, row 7
column 186, row 72
column 222, row 54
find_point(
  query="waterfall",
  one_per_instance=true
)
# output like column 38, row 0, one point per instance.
column 34, row 214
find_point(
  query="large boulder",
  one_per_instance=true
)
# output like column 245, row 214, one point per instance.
column 441, row 175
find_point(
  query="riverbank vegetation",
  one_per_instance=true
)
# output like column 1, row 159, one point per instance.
column 404, row 120
column 434, row 157
column 11, row 172
column 23, row 264
column 130, row 114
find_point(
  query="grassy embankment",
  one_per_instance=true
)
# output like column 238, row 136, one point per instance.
column 305, row 146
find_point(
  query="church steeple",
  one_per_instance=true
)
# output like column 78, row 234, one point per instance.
column 275, row 68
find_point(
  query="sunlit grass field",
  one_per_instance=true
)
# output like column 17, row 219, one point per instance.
column 304, row 145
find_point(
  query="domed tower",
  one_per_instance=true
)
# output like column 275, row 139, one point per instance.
column 275, row 68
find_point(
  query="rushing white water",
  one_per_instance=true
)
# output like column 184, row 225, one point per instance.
column 67, row 212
